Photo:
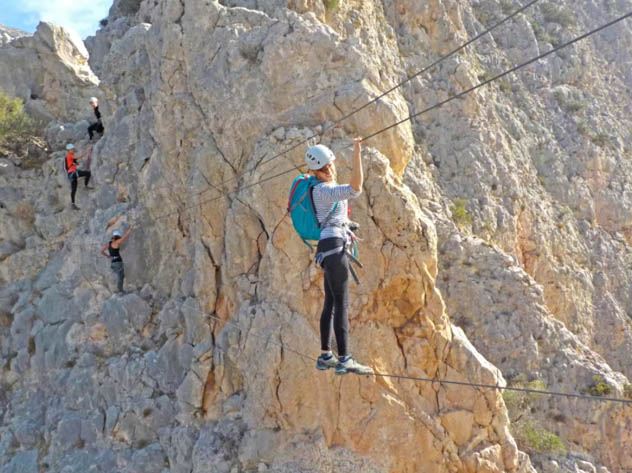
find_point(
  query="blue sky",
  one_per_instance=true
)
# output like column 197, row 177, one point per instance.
column 81, row 16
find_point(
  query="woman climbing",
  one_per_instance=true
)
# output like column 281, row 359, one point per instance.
column 70, row 165
column 98, row 125
column 116, row 262
column 330, row 202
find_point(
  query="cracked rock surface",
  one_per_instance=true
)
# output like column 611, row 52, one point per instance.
column 494, row 243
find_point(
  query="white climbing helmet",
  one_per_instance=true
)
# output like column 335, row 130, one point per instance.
column 318, row 156
column 93, row 100
column 116, row 233
column 70, row 146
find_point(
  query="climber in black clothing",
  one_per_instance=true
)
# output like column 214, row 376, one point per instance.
column 116, row 262
column 98, row 125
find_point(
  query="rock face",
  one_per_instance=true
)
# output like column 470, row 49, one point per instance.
column 49, row 71
column 486, row 256
column 9, row 34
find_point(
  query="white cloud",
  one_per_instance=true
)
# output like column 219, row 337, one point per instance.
column 80, row 16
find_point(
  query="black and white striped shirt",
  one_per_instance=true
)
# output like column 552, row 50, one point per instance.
column 325, row 196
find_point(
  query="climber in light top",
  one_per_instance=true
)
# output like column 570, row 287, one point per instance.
column 98, row 125
column 116, row 262
column 332, row 253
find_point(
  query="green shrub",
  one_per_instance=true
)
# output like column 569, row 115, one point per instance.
column 513, row 401
column 532, row 437
column 504, row 85
column 517, row 402
column 538, row 385
column 569, row 104
column 627, row 391
column 332, row 5
column 483, row 76
column 599, row 387
column 574, row 106
column 519, row 380
column 600, row 139
column 544, row 36
column 16, row 126
column 460, row 215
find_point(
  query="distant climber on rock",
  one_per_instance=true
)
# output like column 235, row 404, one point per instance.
column 116, row 262
column 330, row 204
column 98, row 125
column 70, row 165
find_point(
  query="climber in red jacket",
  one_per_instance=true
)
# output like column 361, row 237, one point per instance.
column 70, row 165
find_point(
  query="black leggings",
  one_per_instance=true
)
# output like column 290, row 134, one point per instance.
column 335, row 308
column 73, row 182
column 98, row 127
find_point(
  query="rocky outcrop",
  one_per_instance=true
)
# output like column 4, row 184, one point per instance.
column 99, row 44
column 258, row 398
column 49, row 71
column 122, row 16
column 8, row 34
column 503, row 309
column 208, row 364
column 517, row 166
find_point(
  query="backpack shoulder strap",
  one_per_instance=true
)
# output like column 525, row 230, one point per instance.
column 327, row 217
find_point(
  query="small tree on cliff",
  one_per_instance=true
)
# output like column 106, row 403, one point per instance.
column 17, row 128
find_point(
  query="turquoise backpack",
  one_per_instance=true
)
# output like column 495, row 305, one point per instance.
column 301, row 208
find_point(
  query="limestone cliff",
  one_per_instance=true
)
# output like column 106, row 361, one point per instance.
column 49, row 71
column 494, row 235
column 9, row 34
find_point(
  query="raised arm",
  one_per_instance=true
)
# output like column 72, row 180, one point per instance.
column 125, row 235
column 82, row 155
column 358, row 178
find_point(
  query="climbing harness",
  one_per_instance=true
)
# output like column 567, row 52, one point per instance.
column 302, row 210
column 320, row 257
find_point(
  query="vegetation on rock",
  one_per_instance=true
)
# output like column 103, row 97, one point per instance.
column 460, row 215
column 17, row 128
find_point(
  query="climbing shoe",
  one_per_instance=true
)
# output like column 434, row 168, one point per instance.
column 74, row 207
column 324, row 363
column 349, row 365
